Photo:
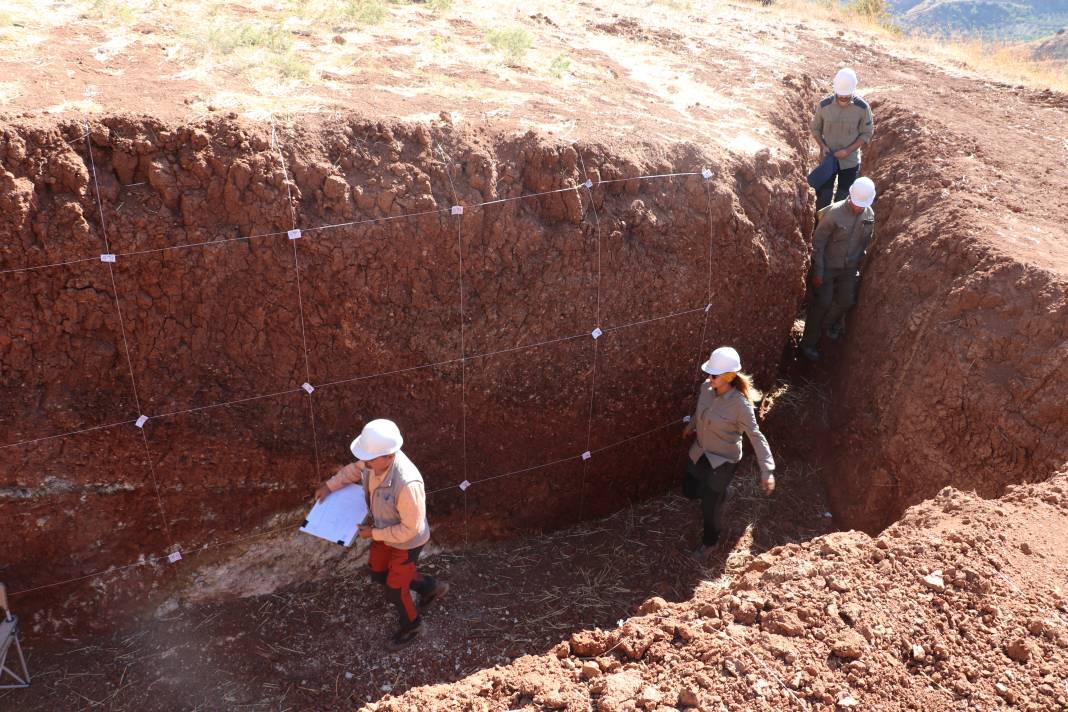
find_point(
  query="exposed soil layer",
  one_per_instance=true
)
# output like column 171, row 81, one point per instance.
column 955, row 367
column 194, row 313
column 959, row 605
column 318, row 644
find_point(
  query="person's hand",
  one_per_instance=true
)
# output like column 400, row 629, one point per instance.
column 321, row 492
column 364, row 532
column 688, row 431
column 841, row 153
column 353, row 468
column 767, row 483
column 817, row 281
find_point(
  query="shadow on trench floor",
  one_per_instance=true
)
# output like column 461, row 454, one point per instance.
column 320, row 644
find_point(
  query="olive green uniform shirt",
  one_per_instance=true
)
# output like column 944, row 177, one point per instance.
column 840, row 126
column 841, row 238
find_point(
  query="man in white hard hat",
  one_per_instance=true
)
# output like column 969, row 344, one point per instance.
column 397, row 526
column 839, row 243
column 841, row 125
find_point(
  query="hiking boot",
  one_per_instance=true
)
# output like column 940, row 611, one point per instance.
column 407, row 635
column 435, row 594
column 810, row 353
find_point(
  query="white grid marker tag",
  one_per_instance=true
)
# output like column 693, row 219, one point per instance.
column 294, row 234
column 457, row 210
column 588, row 183
column 706, row 173
column 587, row 455
column 708, row 308
column 686, row 419
column 597, row 333
column 141, row 421
column 308, row 388
column 464, row 485
column 174, row 557
column 107, row 258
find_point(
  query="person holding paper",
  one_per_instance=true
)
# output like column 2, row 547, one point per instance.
column 724, row 411
column 396, row 522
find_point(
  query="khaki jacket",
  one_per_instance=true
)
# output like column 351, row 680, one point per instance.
column 720, row 421
column 396, row 501
column 841, row 238
column 840, row 126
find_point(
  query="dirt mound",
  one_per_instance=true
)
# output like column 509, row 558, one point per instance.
column 961, row 604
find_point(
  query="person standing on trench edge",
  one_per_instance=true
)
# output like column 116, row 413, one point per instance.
column 724, row 411
column 396, row 523
column 838, row 246
column 842, row 123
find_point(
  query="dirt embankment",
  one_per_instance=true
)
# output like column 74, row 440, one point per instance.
column 954, row 369
column 209, row 317
column 960, row 605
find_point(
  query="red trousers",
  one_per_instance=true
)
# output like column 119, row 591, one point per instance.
column 396, row 569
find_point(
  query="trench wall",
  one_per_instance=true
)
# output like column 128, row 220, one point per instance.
column 955, row 366
column 216, row 336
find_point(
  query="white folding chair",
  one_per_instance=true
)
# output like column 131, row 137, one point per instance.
column 9, row 633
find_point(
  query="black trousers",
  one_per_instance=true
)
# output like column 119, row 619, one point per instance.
column 709, row 484
column 845, row 177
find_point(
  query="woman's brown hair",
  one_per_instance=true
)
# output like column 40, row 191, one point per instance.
column 744, row 383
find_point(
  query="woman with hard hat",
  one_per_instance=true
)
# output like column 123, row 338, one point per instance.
column 398, row 528
column 724, row 411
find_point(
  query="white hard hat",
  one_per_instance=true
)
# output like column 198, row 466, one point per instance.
column 379, row 437
column 845, row 82
column 862, row 192
column 723, row 360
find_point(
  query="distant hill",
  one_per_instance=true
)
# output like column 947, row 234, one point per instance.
column 1053, row 48
column 992, row 19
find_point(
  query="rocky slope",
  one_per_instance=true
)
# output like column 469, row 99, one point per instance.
column 961, row 604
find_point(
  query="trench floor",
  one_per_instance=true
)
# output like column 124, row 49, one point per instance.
column 320, row 644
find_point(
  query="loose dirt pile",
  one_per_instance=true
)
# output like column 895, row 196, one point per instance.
column 960, row 605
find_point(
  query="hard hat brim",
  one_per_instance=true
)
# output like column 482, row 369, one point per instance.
column 362, row 454
column 708, row 368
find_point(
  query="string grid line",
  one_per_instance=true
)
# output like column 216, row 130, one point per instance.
column 125, row 341
column 300, row 301
column 463, row 358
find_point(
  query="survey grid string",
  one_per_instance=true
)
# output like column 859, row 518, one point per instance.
column 457, row 211
column 154, row 559
column 309, row 389
column 331, row 226
column 125, row 342
column 673, row 423
column 354, row 379
column 683, row 454
column 588, row 184
column 464, row 357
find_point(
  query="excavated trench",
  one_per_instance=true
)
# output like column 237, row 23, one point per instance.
column 954, row 370
column 471, row 330
column 210, row 334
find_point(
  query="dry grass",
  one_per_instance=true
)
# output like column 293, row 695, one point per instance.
column 1010, row 63
column 1005, row 62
